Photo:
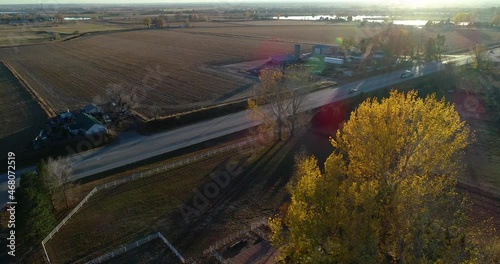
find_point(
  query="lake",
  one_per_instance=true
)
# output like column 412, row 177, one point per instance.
column 414, row 22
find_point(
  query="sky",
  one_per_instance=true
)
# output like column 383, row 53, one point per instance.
column 394, row 2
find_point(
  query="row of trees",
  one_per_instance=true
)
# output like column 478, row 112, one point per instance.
column 161, row 21
column 405, row 42
column 435, row 47
column 387, row 194
column 468, row 19
column 8, row 18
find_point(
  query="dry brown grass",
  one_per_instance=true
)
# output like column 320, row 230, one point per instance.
column 20, row 115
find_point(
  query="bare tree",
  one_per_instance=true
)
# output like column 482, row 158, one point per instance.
column 278, row 99
column 419, row 39
column 61, row 170
column 60, row 17
column 297, row 82
column 271, row 91
column 480, row 57
column 160, row 22
column 118, row 101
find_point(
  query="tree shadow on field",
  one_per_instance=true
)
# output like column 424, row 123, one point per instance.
column 308, row 144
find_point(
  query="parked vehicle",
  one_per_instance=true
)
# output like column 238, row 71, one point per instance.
column 406, row 74
column 334, row 60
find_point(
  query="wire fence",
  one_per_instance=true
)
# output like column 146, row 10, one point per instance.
column 125, row 248
column 212, row 250
column 143, row 174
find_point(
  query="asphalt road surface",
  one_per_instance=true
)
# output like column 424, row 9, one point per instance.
column 138, row 148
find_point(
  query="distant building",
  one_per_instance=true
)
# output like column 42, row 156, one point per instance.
column 326, row 50
column 281, row 59
column 86, row 124
column 357, row 56
column 379, row 54
column 66, row 115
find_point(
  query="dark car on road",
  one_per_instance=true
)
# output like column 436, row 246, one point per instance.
column 406, row 74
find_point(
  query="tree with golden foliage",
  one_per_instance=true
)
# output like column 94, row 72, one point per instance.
column 388, row 192
column 496, row 21
column 147, row 22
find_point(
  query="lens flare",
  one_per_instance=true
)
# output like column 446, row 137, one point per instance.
column 340, row 40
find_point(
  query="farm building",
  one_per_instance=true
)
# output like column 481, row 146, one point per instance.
column 378, row 54
column 281, row 59
column 357, row 56
column 86, row 124
column 66, row 115
column 326, row 50
column 91, row 109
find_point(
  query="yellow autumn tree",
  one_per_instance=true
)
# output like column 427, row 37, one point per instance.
column 388, row 192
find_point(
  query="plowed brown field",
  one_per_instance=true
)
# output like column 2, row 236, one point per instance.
column 164, row 65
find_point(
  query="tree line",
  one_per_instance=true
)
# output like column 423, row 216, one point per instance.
column 402, row 42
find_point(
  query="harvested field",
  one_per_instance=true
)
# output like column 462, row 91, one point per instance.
column 163, row 65
column 20, row 115
column 314, row 32
column 166, row 66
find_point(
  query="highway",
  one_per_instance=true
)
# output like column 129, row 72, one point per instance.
column 142, row 147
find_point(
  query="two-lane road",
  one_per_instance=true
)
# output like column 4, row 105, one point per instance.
column 143, row 147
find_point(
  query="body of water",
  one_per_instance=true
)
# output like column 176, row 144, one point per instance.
column 77, row 18
column 1, row 12
column 380, row 19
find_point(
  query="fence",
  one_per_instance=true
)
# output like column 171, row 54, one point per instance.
column 171, row 247
column 123, row 249
column 66, row 219
column 232, row 237
column 136, row 176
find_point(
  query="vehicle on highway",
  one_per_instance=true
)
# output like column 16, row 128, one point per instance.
column 406, row 74
column 353, row 90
